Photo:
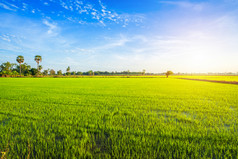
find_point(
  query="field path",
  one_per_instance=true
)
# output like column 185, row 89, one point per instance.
column 226, row 82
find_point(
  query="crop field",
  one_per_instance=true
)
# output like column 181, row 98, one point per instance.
column 117, row 118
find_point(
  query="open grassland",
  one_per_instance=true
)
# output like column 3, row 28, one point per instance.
column 117, row 118
column 215, row 78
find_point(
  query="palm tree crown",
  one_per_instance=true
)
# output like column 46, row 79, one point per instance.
column 68, row 69
column 20, row 59
column 38, row 58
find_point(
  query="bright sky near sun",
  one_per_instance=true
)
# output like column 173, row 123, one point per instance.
column 117, row 35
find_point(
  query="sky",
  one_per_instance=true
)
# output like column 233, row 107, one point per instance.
column 110, row 35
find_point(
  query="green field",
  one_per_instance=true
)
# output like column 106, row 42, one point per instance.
column 117, row 118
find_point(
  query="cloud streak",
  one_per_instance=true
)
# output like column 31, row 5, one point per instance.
column 8, row 7
column 185, row 4
column 5, row 38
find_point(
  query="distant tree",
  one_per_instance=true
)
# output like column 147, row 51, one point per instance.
column 68, row 71
column 25, row 69
column 3, row 73
column 45, row 72
column 6, row 67
column 73, row 73
column 38, row 59
column 52, row 72
column 168, row 73
column 90, row 72
column 143, row 72
column 20, row 60
column 79, row 73
column 34, row 71
column 15, row 73
column 59, row 72
column 97, row 73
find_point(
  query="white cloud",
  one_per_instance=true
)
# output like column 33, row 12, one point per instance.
column 46, row 3
column 95, row 12
column 24, row 6
column 52, row 27
column 112, row 43
column 99, row 12
column 80, row 51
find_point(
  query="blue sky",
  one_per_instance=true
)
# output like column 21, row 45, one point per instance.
column 112, row 35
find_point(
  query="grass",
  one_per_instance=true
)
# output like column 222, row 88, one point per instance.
column 117, row 118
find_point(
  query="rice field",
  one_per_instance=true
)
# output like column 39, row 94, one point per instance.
column 117, row 118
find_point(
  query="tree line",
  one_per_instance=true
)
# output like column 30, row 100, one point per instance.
column 8, row 69
column 12, row 69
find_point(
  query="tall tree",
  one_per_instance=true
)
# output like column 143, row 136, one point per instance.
column 143, row 72
column 38, row 59
column 68, row 70
column 20, row 60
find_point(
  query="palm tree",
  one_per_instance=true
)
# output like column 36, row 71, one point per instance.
column 20, row 60
column 68, row 70
column 143, row 72
column 40, row 67
column 38, row 59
